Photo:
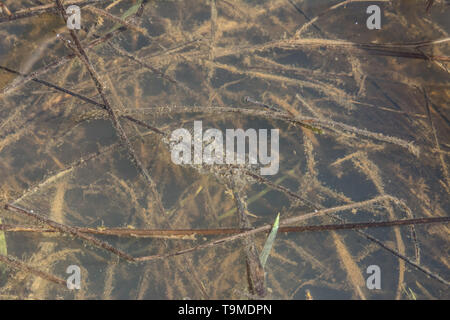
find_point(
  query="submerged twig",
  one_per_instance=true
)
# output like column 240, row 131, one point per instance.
column 300, row 120
column 68, row 230
column 17, row 264
column 267, row 227
column 255, row 270
column 142, row 63
column 190, row 233
column 436, row 140
column 80, row 52
column 397, row 254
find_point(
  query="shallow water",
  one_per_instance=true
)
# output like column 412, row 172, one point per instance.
column 213, row 54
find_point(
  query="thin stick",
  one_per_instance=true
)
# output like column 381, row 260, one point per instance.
column 81, row 97
column 80, row 52
column 68, row 230
column 297, row 8
column 188, row 233
column 405, row 54
column 142, row 63
column 267, row 227
column 436, row 140
column 261, row 179
column 54, row 86
column 284, row 116
column 396, row 253
column 17, row 264
column 255, row 270
column 129, row 24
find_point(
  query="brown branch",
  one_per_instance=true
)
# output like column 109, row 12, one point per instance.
column 68, row 230
column 405, row 54
column 17, row 264
column 190, row 233
column 267, row 227
column 255, row 271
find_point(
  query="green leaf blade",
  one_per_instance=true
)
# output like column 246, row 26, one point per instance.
column 269, row 242
column 132, row 10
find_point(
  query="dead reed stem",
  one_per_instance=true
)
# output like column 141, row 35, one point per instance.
column 69, row 230
column 255, row 270
column 267, row 227
column 436, row 141
column 17, row 264
column 397, row 254
column 80, row 52
column 189, row 234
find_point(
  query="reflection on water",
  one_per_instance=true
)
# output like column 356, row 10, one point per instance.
column 380, row 126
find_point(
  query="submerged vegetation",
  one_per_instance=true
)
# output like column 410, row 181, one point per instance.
column 87, row 175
